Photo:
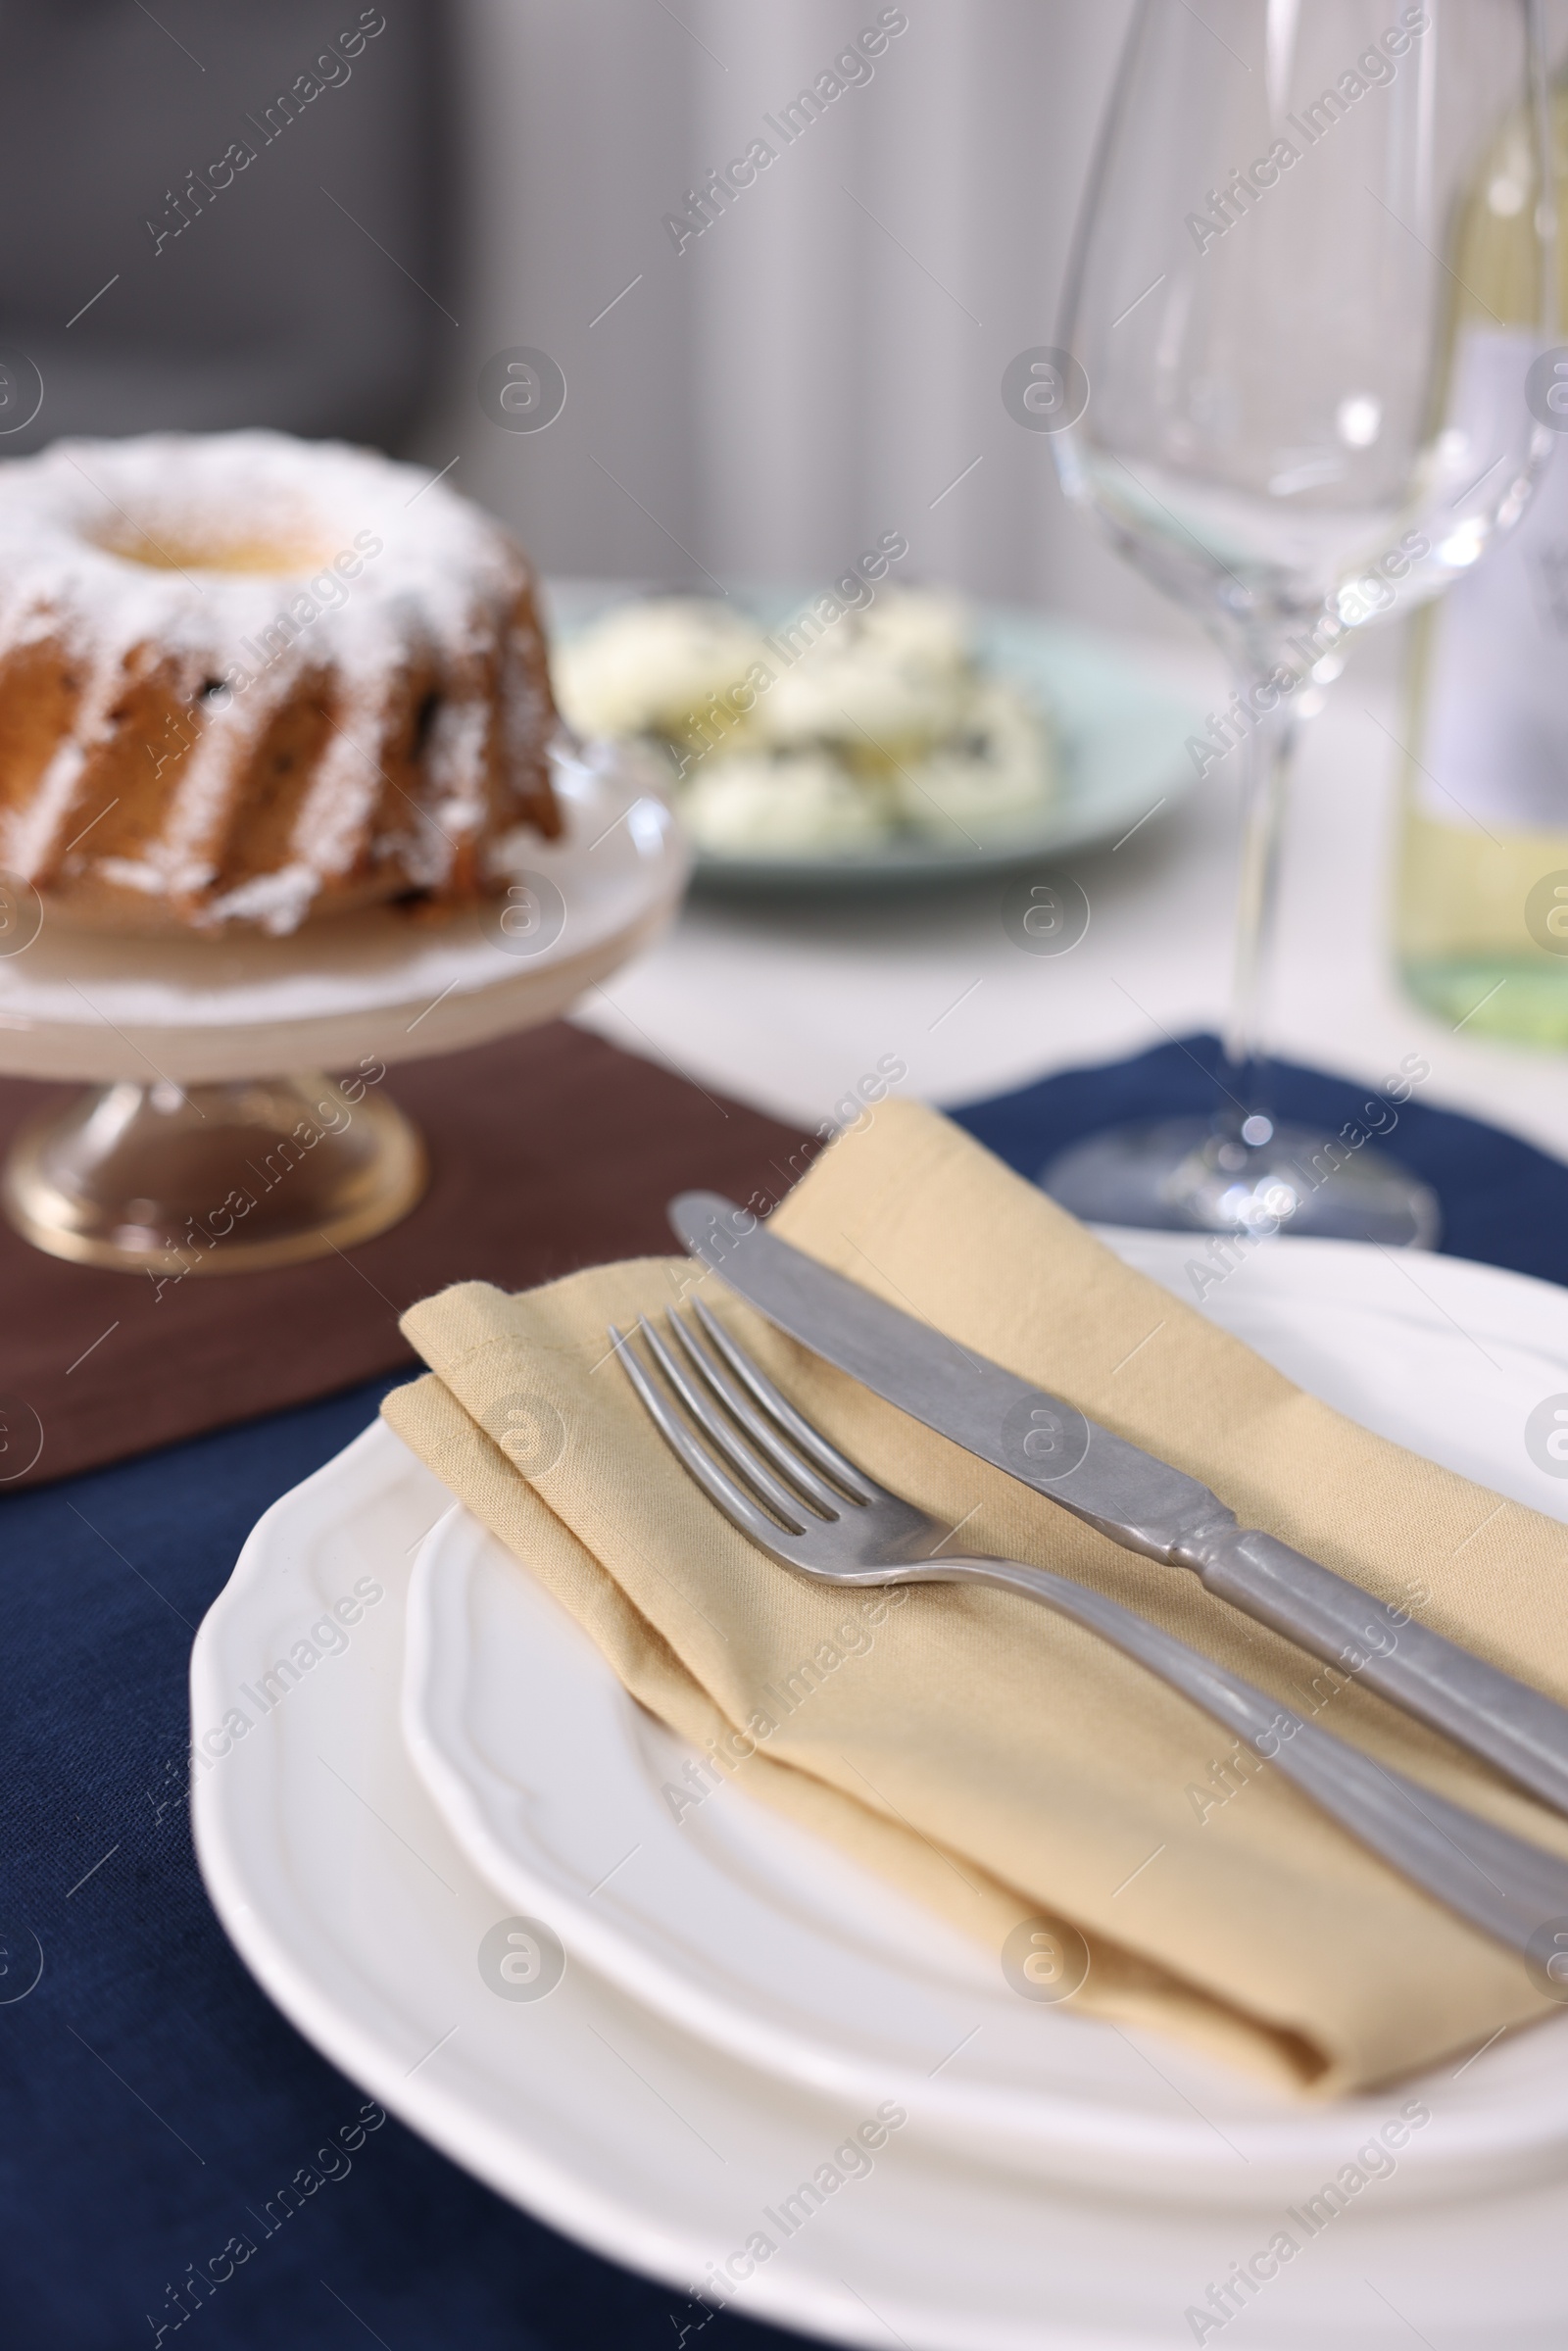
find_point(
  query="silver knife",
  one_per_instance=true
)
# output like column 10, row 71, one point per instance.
column 1137, row 1500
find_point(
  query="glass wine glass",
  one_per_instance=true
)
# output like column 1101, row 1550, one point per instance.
column 1286, row 409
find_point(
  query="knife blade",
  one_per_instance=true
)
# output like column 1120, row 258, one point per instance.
column 1137, row 1500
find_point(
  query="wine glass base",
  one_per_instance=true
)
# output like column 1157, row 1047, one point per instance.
column 173, row 1180
column 1186, row 1175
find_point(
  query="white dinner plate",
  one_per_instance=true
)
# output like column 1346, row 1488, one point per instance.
column 1121, row 734
column 744, row 1929
column 345, row 1896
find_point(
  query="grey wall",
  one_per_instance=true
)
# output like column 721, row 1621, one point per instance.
column 271, row 306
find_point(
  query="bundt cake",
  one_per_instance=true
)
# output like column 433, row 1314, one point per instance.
column 247, row 680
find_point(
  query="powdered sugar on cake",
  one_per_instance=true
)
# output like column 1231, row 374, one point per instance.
column 235, row 574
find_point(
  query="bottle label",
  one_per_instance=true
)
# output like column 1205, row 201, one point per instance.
column 1494, row 748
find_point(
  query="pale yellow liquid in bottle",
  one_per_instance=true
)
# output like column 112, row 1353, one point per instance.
column 1476, row 898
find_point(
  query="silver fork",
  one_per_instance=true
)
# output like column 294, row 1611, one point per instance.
column 778, row 1480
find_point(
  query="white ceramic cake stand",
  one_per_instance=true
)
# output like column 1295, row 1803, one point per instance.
column 191, row 1152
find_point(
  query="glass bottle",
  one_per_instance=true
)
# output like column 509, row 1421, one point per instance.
column 1483, row 890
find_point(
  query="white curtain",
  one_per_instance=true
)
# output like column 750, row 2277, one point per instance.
column 823, row 363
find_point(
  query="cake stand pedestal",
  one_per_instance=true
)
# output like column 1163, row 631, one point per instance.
column 212, row 1179
column 199, row 1148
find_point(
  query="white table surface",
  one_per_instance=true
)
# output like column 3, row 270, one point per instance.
column 785, row 1003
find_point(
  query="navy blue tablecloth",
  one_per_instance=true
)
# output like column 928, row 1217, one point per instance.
column 154, row 2100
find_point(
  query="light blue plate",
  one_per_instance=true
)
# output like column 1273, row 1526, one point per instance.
column 1121, row 734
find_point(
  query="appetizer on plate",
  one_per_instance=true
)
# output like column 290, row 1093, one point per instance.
column 836, row 735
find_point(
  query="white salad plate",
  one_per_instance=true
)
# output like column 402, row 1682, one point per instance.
column 1121, row 732
column 654, row 2141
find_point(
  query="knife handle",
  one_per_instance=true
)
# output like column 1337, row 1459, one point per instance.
column 1524, row 1733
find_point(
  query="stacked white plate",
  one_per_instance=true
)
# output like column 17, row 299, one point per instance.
column 441, row 1845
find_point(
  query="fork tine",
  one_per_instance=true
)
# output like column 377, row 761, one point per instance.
column 721, row 1488
column 779, row 1409
column 788, row 1506
column 784, row 1456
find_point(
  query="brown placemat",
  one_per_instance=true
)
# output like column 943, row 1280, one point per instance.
column 550, row 1150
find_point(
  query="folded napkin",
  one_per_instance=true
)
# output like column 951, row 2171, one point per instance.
column 978, row 1750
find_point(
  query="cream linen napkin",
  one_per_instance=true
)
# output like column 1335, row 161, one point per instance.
column 967, row 1743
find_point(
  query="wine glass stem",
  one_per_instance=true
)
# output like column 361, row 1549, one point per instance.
column 1267, row 747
